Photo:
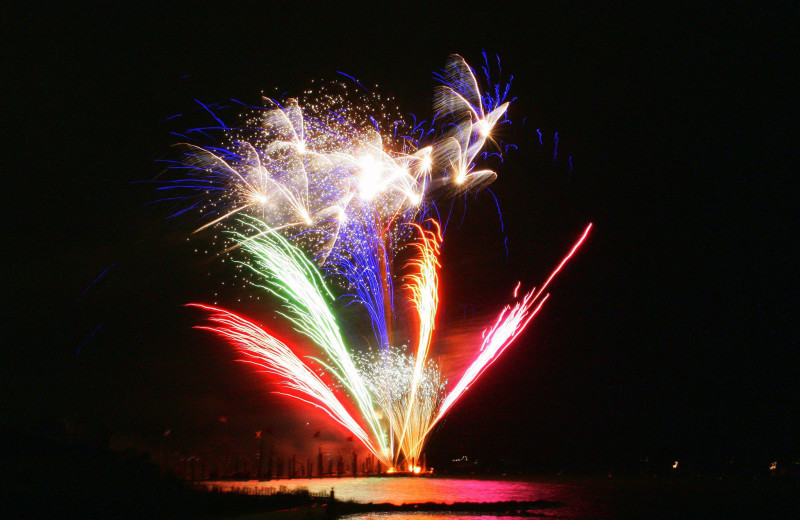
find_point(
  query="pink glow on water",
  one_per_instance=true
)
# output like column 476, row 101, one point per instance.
column 400, row 490
column 423, row 516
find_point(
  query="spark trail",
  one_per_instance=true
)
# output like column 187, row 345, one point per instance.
column 509, row 324
column 424, row 287
column 269, row 353
column 288, row 274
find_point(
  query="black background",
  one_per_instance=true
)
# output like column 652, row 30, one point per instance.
column 673, row 334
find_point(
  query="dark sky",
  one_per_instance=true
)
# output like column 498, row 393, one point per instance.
column 674, row 333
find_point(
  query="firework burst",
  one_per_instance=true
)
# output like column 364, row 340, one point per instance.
column 316, row 196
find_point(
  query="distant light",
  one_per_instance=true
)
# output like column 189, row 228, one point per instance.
column 675, row 465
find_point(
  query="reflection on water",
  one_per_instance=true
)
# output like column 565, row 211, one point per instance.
column 427, row 516
column 656, row 498
column 399, row 490
column 578, row 500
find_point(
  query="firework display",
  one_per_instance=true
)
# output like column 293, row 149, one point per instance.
column 330, row 200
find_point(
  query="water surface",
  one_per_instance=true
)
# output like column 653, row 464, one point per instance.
column 648, row 498
column 578, row 500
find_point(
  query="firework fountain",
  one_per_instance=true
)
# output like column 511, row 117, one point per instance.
column 318, row 196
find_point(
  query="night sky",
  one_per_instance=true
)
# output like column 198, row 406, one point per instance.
column 673, row 334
